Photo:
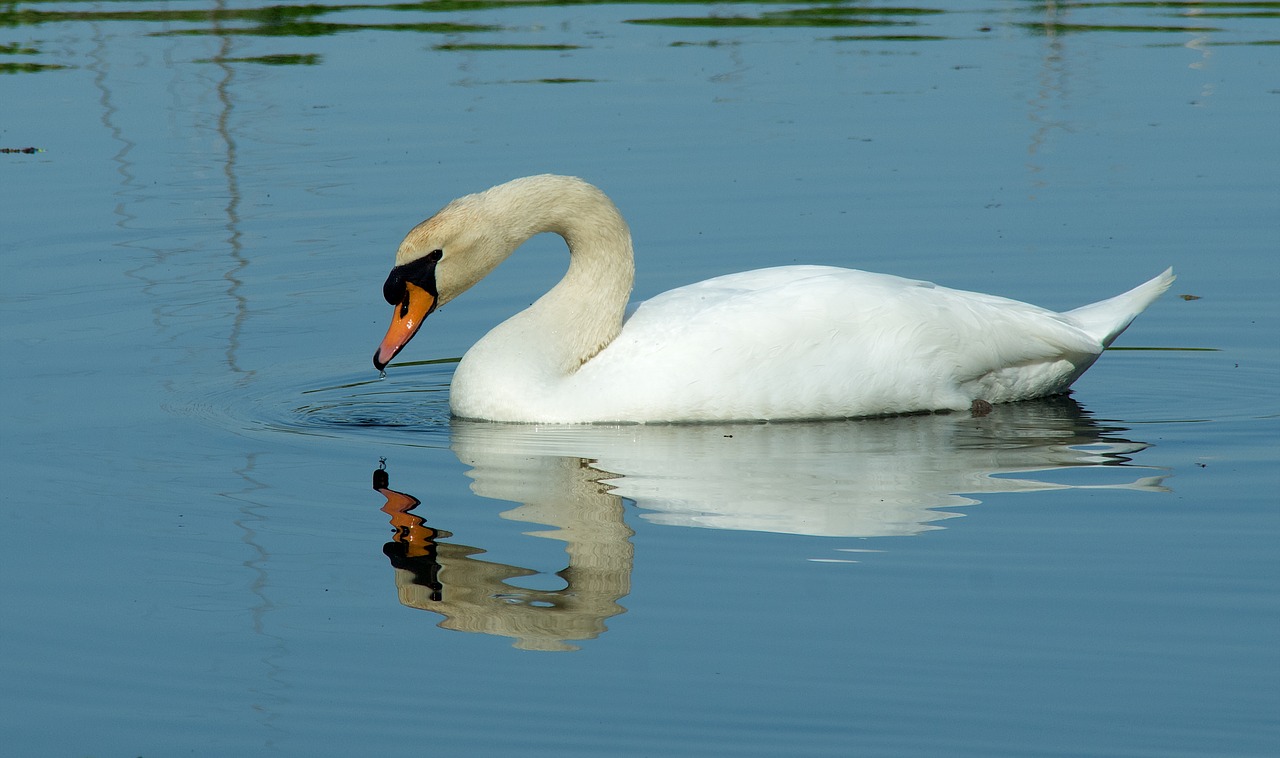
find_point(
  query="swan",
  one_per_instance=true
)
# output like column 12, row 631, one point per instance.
column 791, row 342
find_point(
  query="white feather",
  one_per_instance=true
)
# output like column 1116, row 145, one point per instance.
column 794, row 342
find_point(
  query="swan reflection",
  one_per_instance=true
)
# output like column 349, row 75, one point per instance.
column 867, row 478
column 476, row 596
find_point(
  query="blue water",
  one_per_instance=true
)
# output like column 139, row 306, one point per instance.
column 195, row 561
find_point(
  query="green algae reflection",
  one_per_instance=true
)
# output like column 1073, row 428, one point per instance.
column 464, row 47
column 27, row 68
column 280, row 59
column 864, row 22
column 21, row 66
column 271, row 20
column 822, row 15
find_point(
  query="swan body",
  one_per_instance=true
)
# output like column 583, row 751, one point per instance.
column 792, row 342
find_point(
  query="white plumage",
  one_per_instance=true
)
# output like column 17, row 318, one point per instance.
column 793, row 342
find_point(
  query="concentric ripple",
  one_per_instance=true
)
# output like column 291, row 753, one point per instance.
column 409, row 405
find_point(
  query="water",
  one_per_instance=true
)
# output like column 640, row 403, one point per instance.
column 195, row 559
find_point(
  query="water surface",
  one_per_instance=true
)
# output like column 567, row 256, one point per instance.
column 196, row 559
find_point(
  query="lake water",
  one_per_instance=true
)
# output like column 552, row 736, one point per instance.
column 195, row 559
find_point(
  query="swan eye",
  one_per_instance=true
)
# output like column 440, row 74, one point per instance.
column 394, row 290
column 421, row 272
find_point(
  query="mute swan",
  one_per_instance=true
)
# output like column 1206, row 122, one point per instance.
column 792, row 342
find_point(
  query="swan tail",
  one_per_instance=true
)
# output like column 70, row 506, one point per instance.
column 1106, row 319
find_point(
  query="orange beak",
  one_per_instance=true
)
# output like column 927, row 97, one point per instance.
column 405, row 320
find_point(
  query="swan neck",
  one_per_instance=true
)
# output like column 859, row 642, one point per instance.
column 582, row 313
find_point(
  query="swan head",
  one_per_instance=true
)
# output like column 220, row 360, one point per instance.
column 448, row 253
column 443, row 257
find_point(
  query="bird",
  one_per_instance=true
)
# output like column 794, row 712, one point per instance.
column 792, row 342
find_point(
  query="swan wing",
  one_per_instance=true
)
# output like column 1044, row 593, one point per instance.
column 814, row 341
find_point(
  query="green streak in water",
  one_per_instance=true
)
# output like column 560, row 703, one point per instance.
column 27, row 68
column 484, row 47
column 321, row 29
column 1173, row 349
column 563, row 80
column 283, row 59
column 886, row 38
column 769, row 20
column 432, row 362
column 1056, row 27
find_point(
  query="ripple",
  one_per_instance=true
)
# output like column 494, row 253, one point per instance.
column 410, row 405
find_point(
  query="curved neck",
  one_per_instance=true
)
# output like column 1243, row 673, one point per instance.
column 583, row 313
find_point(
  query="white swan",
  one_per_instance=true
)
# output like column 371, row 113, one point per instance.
column 793, row 342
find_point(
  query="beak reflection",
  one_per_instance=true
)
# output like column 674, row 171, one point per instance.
column 474, row 595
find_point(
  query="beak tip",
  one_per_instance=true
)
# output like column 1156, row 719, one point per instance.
column 405, row 320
